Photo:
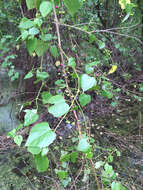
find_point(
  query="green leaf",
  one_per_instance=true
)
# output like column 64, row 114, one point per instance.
column 41, row 75
column 87, row 82
column 59, row 109
column 72, row 6
column 117, row 186
column 60, row 83
column 84, row 99
column 126, row 17
column 56, row 2
column 54, row 51
column 12, row 133
column 71, row 62
column 61, row 173
column 108, row 174
column 31, row 4
column 92, row 38
column 118, row 153
column 56, row 99
column 110, row 158
column 45, row 8
column 41, row 47
column 101, row 45
column 42, row 163
column 46, row 96
column 26, row 23
column 65, row 157
column 89, row 155
column 40, row 136
column 38, row 22
column 83, row 145
column 141, row 89
column 44, row 151
column 24, row 34
column 34, row 150
column 33, row 31
column 108, row 168
column 107, row 94
column 19, row 126
column 66, row 181
column 89, row 68
column 47, row 37
column 18, row 139
column 28, row 75
column 73, row 157
column 31, row 45
column 38, row 3
column 99, row 164
column 30, row 117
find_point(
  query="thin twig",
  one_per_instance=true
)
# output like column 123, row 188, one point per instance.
column 101, row 31
column 80, row 171
column 54, row 181
column 120, row 34
column 95, row 175
column 63, row 64
column 75, row 114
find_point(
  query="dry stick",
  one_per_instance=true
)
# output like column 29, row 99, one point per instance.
column 78, row 174
column 67, row 113
column 75, row 114
column 62, row 60
column 95, row 175
column 54, row 181
column 78, row 124
column 103, row 31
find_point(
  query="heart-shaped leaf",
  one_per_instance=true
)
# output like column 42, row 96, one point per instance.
column 41, row 75
column 84, row 99
column 87, row 82
column 56, row 99
column 28, row 75
column 31, row 45
column 54, row 51
column 31, row 4
column 45, row 8
column 42, row 163
column 83, row 145
column 59, row 109
column 18, row 139
column 26, row 23
column 71, row 62
column 99, row 164
column 41, row 47
column 30, row 117
column 46, row 96
column 101, row 44
column 33, row 31
column 40, row 136
column 117, row 186
column 72, row 6
column 24, row 34
column 34, row 150
column 38, row 22
column 61, row 173
column 44, row 151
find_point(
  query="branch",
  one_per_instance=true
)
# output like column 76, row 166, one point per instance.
column 64, row 71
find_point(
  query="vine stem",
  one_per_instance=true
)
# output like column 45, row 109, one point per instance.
column 63, row 64
column 67, row 86
column 39, row 95
column 95, row 175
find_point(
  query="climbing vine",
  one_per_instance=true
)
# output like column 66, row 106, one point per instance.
column 79, row 76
